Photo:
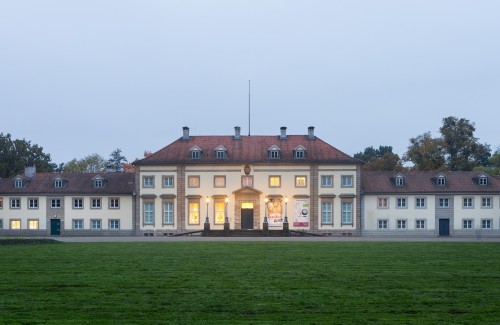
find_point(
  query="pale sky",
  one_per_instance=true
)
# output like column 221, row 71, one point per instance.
column 88, row 76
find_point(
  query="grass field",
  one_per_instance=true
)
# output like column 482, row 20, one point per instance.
column 251, row 283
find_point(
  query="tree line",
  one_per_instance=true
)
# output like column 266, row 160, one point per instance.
column 456, row 149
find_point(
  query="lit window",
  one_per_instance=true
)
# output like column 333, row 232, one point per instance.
column 401, row 202
column 300, row 181
column 383, row 203
column 55, row 203
column 486, row 202
column 77, row 224
column 468, row 203
column 194, row 213
column 114, row 203
column 326, row 181
column 399, row 181
column 441, row 181
column 444, row 203
column 346, row 181
column 247, row 181
column 114, row 224
column 1, row 202
column 401, row 224
column 420, row 224
column 486, row 223
column 382, row 224
column 219, row 181
column 467, row 224
column 95, row 203
column 346, row 213
column 274, row 181
column 220, row 212
column 58, row 183
column 168, row 181
column 193, row 181
column 148, row 181
column 420, row 202
column 15, row 203
column 15, row 224
column 95, row 224
column 33, row 224
column 168, row 213
column 149, row 213
column 327, row 213
column 33, row 203
column 77, row 203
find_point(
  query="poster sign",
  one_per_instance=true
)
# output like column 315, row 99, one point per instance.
column 274, row 214
column 301, row 213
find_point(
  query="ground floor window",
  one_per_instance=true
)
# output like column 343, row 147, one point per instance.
column 401, row 224
column 168, row 213
column 95, row 224
column 149, row 213
column 1, row 223
column 467, row 224
column 420, row 224
column 33, row 224
column 15, row 224
column 114, row 224
column 486, row 223
column 194, row 213
column 220, row 212
column 327, row 213
column 77, row 224
column 346, row 213
column 383, row 224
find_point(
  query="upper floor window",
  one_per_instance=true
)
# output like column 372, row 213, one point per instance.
column 486, row 202
column 420, row 202
column 114, row 203
column 95, row 203
column 300, row 181
column 441, row 180
column 401, row 202
column 274, row 152
column 1, row 202
column 98, row 183
column 168, row 181
column 346, row 181
column 18, row 183
column 483, row 180
column 193, row 181
column 444, row 202
column 195, row 152
column 327, row 181
column 299, row 152
column 383, row 203
column 77, row 203
column 221, row 152
column 33, row 203
column 468, row 202
column 400, row 181
column 148, row 181
column 274, row 181
column 55, row 203
column 219, row 181
column 15, row 203
column 247, row 181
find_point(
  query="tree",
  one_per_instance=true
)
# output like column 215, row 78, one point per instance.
column 494, row 164
column 463, row 151
column 117, row 160
column 93, row 163
column 16, row 154
column 426, row 153
column 380, row 159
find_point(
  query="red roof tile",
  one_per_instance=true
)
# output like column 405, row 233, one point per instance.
column 248, row 149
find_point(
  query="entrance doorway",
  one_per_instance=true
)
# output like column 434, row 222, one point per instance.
column 444, row 227
column 55, row 227
column 246, row 218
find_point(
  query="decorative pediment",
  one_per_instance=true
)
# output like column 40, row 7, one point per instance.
column 247, row 191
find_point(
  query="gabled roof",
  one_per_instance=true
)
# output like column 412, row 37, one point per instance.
column 77, row 183
column 248, row 149
column 375, row 182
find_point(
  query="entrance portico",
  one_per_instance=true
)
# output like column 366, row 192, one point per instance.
column 247, row 208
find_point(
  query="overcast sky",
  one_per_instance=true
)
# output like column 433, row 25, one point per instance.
column 82, row 77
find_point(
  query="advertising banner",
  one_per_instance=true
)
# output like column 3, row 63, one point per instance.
column 274, row 214
column 301, row 213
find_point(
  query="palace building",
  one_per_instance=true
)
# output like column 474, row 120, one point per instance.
column 297, row 183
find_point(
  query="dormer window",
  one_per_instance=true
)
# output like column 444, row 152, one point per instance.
column 221, row 152
column 195, row 153
column 400, row 180
column 299, row 152
column 483, row 180
column 18, row 183
column 441, row 180
column 98, row 182
column 58, row 183
column 274, row 152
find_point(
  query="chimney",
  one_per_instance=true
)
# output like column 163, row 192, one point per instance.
column 30, row 171
column 310, row 133
column 237, row 134
column 283, row 133
column 185, row 133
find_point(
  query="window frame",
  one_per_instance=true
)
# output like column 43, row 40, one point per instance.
column 171, row 213
column 33, row 224
column 345, row 184
column 401, row 202
column 327, row 214
column 441, row 181
column 419, row 201
column 34, row 206
column 58, row 183
column 148, row 215
column 114, row 203
column 192, row 219
column 96, row 203
column 483, row 181
column 55, row 203
column 220, row 177
column 381, row 199
column 326, row 181
column 298, row 183
column 98, row 183
column 219, row 209
column 168, row 177
column 401, row 224
column 15, row 221
column 75, row 222
column 467, row 224
column 467, row 202
column 487, row 224
column 1, row 203
column 94, row 223
column 382, row 224
column 274, row 154
column 399, row 181
column 272, row 181
column 114, row 224
column 15, row 203
column 442, row 201
column 420, row 224
column 148, row 181
column 80, row 200
column 488, row 199
column 18, row 183
column 346, row 212
column 244, row 180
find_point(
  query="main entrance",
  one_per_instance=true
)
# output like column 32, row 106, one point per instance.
column 246, row 218
column 444, row 227
column 55, row 227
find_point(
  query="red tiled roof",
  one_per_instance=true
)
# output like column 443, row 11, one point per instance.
column 374, row 182
column 248, row 149
column 75, row 183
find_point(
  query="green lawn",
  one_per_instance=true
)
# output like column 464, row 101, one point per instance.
column 251, row 283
